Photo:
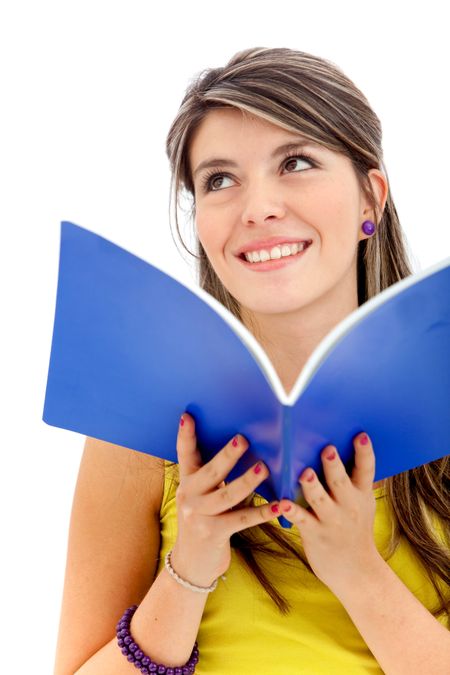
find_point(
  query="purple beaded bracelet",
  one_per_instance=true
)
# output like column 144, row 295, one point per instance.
column 136, row 656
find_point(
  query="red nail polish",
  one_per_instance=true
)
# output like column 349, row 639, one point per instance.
column 235, row 441
column 309, row 476
column 287, row 507
column 181, row 421
column 257, row 468
column 274, row 508
column 331, row 455
column 363, row 439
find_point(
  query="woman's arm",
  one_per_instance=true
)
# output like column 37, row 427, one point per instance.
column 401, row 633
column 113, row 552
column 165, row 626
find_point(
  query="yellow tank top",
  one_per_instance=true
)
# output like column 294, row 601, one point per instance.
column 242, row 631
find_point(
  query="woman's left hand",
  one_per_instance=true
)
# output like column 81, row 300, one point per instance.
column 337, row 535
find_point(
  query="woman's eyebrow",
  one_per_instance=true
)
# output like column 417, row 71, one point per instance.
column 286, row 147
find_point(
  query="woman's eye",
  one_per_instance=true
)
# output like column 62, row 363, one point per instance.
column 302, row 158
column 210, row 182
column 209, row 179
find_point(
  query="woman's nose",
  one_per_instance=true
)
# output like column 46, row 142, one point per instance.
column 262, row 200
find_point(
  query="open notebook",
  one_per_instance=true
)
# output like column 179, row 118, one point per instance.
column 133, row 348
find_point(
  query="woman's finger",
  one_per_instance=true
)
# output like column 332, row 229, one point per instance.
column 248, row 516
column 205, row 477
column 231, row 494
column 214, row 472
column 363, row 473
column 298, row 516
column 189, row 457
column 316, row 495
column 336, row 476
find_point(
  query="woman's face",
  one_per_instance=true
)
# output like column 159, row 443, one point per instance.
column 264, row 195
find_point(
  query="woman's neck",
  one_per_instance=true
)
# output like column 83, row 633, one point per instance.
column 289, row 340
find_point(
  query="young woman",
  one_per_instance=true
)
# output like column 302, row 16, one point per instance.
column 296, row 227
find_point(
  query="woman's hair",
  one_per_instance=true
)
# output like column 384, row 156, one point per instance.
column 304, row 93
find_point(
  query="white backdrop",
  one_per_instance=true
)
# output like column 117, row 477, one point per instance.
column 88, row 92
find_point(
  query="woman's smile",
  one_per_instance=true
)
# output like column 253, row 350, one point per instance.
column 276, row 263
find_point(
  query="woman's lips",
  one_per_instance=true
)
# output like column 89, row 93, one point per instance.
column 276, row 264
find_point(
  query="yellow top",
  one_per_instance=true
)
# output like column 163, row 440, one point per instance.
column 242, row 631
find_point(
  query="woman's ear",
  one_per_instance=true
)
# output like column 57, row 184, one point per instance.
column 380, row 186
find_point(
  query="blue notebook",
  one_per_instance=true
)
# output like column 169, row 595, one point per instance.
column 133, row 348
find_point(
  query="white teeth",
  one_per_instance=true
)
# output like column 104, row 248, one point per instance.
column 276, row 252
column 262, row 256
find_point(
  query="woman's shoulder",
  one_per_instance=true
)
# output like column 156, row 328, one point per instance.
column 116, row 463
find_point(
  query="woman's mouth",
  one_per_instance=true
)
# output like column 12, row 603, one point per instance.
column 276, row 263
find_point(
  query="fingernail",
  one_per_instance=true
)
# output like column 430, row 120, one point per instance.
column 309, row 476
column 363, row 439
column 257, row 468
column 181, row 421
column 287, row 507
column 274, row 508
column 331, row 455
column 235, row 441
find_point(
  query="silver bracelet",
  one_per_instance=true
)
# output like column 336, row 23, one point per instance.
column 186, row 584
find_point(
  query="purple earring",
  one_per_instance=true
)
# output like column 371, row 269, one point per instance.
column 368, row 227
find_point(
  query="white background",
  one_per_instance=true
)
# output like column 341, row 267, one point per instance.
column 88, row 92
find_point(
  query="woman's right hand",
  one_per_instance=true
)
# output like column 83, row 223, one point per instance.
column 202, row 550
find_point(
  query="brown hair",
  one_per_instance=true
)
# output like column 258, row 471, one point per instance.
column 304, row 93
